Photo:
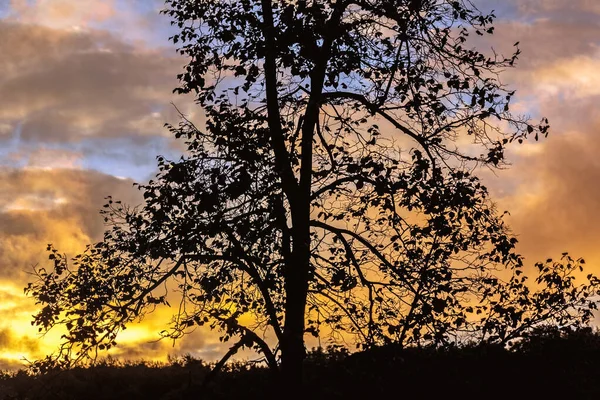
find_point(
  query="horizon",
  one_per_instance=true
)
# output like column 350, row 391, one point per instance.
column 86, row 88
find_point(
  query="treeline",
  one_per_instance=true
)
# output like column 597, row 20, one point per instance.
column 550, row 364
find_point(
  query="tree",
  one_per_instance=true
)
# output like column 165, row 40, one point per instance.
column 331, row 191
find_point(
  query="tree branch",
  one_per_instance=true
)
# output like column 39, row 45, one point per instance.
column 251, row 337
column 282, row 161
column 375, row 109
column 333, row 185
column 364, row 242
column 271, row 311
column 218, row 366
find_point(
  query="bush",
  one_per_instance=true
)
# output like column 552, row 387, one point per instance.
column 550, row 362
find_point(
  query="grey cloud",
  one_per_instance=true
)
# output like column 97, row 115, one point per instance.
column 194, row 344
column 27, row 47
column 142, row 350
column 70, row 85
column 38, row 207
column 555, row 8
column 515, row 9
column 547, row 31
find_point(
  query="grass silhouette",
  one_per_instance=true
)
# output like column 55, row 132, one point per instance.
column 549, row 364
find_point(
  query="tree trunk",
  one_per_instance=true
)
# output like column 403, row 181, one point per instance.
column 296, row 287
column 298, row 267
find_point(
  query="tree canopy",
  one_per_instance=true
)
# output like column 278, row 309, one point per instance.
column 332, row 191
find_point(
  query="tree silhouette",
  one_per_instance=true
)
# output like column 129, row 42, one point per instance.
column 330, row 193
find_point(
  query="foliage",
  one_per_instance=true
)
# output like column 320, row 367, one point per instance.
column 330, row 192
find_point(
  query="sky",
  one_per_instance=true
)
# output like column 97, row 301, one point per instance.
column 86, row 86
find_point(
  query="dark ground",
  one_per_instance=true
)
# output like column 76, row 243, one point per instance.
column 549, row 366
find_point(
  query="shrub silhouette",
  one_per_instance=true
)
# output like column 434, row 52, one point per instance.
column 548, row 364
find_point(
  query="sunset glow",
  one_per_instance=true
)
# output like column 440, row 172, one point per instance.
column 86, row 86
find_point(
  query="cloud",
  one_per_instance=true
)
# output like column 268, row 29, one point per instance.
column 87, row 94
column 554, row 8
column 60, row 206
column 16, row 346
column 45, row 158
column 555, row 204
column 10, row 341
column 142, row 341
column 82, row 84
column 40, row 206
column 573, row 79
column 539, row 9
column 133, row 21
column 62, row 13
column 548, row 32
column 550, row 189
column 83, row 99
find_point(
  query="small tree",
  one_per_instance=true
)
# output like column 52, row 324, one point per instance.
column 329, row 193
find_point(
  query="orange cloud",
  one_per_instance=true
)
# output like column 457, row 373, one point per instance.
column 551, row 188
column 62, row 13
column 60, row 206
column 57, row 87
column 554, row 206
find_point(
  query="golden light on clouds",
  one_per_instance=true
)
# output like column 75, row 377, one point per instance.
column 81, row 114
column 82, row 107
column 62, row 13
column 572, row 79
